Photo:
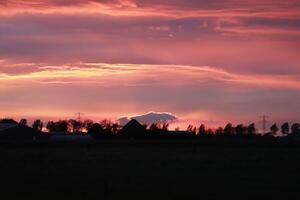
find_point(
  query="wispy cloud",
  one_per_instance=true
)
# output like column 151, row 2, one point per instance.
column 138, row 74
column 174, row 8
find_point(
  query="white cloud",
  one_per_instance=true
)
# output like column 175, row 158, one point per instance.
column 149, row 118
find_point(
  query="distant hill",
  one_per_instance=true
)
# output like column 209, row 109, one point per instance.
column 19, row 132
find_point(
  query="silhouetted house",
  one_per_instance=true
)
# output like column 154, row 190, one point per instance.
column 19, row 132
column 133, row 129
column 7, row 123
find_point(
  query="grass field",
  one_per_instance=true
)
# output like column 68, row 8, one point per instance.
column 131, row 169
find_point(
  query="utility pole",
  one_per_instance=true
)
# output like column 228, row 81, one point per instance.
column 264, row 120
column 79, row 114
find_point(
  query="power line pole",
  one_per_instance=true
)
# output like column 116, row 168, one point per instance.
column 264, row 121
column 79, row 114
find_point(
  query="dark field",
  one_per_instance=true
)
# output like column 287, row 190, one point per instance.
column 131, row 169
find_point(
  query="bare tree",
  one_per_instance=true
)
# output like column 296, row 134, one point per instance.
column 87, row 124
column 76, row 125
column 107, row 125
column 59, row 126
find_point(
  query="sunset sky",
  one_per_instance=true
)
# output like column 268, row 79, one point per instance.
column 203, row 61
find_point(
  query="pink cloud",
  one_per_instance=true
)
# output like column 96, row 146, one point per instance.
column 194, row 94
column 173, row 8
column 141, row 74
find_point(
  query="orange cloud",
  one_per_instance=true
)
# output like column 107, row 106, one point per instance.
column 177, row 9
column 142, row 74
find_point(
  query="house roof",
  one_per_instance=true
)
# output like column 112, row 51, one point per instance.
column 134, row 128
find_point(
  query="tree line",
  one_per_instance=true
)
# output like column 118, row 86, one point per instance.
column 108, row 127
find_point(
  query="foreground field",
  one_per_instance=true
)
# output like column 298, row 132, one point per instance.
column 149, row 170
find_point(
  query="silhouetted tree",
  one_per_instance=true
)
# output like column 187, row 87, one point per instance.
column 75, row 125
column 191, row 129
column 37, row 125
column 274, row 129
column 210, row 132
column 251, row 130
column 228, row 130
column 202, row 130
column 240, row 129
column 23, row 122
column 87, row 124
column 285, row 128
column 50, row 126
column 145, row 126
column 115, row 128
column 96, row 131
column 153, row 127
column 159, row 128
column 165, row 126
column 59, row 126
column 107, row 126
column 296, row 129
column 219, row 131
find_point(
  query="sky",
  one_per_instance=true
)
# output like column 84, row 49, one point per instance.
column 200, row 61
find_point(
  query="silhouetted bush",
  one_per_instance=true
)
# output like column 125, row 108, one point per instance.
column 59, row 126
column 296, row 129
column 285, row 128
column 37, row 125
column 96, row 131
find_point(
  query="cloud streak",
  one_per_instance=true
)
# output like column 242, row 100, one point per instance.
column 138, row 75
column 173, row 8
column 269, row 41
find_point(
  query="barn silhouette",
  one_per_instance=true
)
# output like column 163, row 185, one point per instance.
column 133, row 129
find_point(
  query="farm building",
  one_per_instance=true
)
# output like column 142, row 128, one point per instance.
column 133, row 129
